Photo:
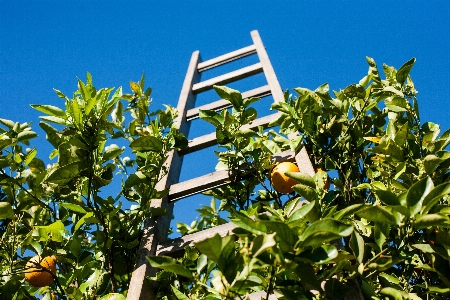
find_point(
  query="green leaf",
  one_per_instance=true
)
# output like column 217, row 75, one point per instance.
column 52, row 134
column 231, row 95
column 50, row 110
column 147, row 143
column 435, row 195
column 113, row 296
column 302, row 178
column 349, row 210
column 77, row 114
column 246, row 223
column 6, row 211
column 320, row 255
column 432, row 220
column 26, row 135
column 178, row 294
column 211, row 116
column 55, row 120
column 201, row 262
column 323, row 231
column 73, row 207
column 377, row 214
column 394, row 293
column 404, row 71
column 357, row 246
column 30, row 156
column 54, row 231
column 111, row 152
column 387, row 197
column 212, row 247
column 82, row 221
column 305, row 191
column 262, row 243
column 8, row 123
column 169, row 264
column 301, row 213
column 83, row 91
column 64, row 174
column 417, row 193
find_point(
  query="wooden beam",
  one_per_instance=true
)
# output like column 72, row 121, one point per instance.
column 228, row 77
column 221, row 104
column 208, row 140
column 223, row 59
column 215, row 179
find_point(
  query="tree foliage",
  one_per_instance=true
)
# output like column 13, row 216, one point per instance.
column 68, row 208
column 381, row 231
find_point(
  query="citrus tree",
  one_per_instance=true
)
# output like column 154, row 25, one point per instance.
column 381, row 232
column 84, row 210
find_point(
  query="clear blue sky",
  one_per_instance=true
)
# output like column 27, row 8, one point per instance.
column 48, row 44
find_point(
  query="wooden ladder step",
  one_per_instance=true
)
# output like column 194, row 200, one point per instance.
column 227, row 78
column 221, row 104
column 223, row 59
column 212, row 180
column 208, row 140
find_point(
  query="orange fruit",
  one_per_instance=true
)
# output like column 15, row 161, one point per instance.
column 280, row 181
column 38, row 276
column 328, row 183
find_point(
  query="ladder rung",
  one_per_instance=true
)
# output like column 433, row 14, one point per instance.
column 221, row 104
column 208, row 140
column 223, row 59
column 228, row 77
column 212, row 180
column 175, row 246
column 198, row 185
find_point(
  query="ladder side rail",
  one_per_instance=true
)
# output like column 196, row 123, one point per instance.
column 269, row 72
column 155, row 230
column 226, row 58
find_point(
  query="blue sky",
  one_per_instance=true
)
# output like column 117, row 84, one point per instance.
column 48, row 44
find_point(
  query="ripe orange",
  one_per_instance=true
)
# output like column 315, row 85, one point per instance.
column 37, row 276
column 280, row 181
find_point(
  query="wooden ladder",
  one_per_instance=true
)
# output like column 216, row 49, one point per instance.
column 154, row 240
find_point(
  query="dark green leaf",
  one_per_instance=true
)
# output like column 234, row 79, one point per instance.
column 211, row 116
column 320, row 255
column 305, row 191
column 357, row 246
column 377, row 214
column 432, row 220
column 178, row 294
column 6, row 211
column 169, row 264
column 323, row 231
column 64, row 174
column 435, row 195
column 417, row 193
